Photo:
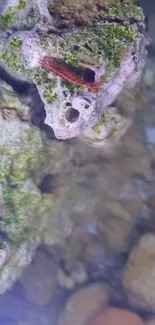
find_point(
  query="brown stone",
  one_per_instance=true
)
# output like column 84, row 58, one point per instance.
column 116, row 316
column 139, row 274
column 84, row 304
column 116, row 230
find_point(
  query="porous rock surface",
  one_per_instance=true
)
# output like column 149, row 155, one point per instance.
column 101, row 41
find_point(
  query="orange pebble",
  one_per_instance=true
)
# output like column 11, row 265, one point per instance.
column 116, row 316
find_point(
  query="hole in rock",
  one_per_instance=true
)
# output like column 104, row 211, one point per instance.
column 49, row 183
column 72, row 115
column 68, row 104
column 89, row 75
column 84, row 73
column 76, row 48
column 64, row 93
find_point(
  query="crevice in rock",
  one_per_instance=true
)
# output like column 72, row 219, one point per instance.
column 68, row 104
column 29, row 96
column 50, row 133
column 49, row 183
column 86, row 74
column 89, row 75
column 88, row 47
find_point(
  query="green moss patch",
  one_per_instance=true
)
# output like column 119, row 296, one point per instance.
column 12, row 16
column 73, row 88
column 84, row 12
column 49, row 94
column 95, row 46
column 97, row 127
column 10, row 53
column 20, row 197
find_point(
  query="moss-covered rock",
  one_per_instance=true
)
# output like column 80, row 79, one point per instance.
column 99, row 40
column 11, row 102
column 20, row 148
column 110, row 128
column 102, row 44
column 15, row 15
column 20, row 255
column 24, row 210
column 84, row 12
column 96, row 46
column 22, row 154
column 98, row 49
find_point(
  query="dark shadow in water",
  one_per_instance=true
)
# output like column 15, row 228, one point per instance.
column 27, row 90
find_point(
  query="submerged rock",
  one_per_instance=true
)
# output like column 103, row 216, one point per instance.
column 75, row 275
column 23, row 208
column 96, row 42
column 10, row 103
column 65, row 281
column 116, row 316
column 139, row 274
column 20, row 256
column 19, row 197
column 39, row 280
column 111, row 126
column 84, row 304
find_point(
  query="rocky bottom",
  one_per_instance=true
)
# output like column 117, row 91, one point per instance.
column 99, row 268
column 42, row 296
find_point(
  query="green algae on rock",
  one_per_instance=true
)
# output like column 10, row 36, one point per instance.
column 104, row 43
column 110, row 128
column 11, row 102
column 97, row 127
column 87, row 12
column 20, row 148
column 25, row 212
column 10, row 53
column 13, row 16
column 18, row 257
column 93, row 46
column 100, row 41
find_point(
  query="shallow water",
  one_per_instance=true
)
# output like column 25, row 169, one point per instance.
column 107, row 210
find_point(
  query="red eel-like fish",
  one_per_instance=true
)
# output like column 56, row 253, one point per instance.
column 61, row 69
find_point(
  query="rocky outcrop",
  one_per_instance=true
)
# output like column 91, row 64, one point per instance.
column 18, row 233
column 23, row 208
column 96, row 42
